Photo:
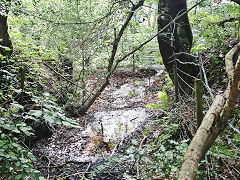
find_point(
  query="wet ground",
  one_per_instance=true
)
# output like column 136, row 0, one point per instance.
column 117, row 116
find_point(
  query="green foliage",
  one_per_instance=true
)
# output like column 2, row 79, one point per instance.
column 83, row 32
column 163, row 158
column 160, row 159
column 49, row 112
column 15, row 160
column 11, row 120
column 165, row 161
column 207, row 28
column 163, row 97
column 149, row 106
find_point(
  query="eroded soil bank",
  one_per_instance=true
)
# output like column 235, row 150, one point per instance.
column 117, row 117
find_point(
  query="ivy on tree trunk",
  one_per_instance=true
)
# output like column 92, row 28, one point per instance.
column 5, row 41
column 176, row 41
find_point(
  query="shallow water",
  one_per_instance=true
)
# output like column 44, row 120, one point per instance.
column 119, row 119
column 116, row 124
column 129, row 90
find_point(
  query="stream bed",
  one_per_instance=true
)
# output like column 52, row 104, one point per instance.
column 103, row 131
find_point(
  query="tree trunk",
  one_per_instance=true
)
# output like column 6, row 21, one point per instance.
column 4, row 36
column 176, row 41
column 214, row 121
column 111, row 66
column 5, row 42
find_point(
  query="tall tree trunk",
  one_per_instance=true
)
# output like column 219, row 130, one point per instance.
column 176, row 41
column 4, row 36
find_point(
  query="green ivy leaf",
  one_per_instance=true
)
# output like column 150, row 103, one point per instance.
column 32, row 157
column 19, row 176
column 48, row 118
column 26, row 130
column 36, row 113
column 2, row 153
column 35, row 99
column 149, row 106
column 6, row 48
column 135, row 142
column 1, row 56
column 11, row 127
column 57, row 120
column 49, row 113
column 66, row 123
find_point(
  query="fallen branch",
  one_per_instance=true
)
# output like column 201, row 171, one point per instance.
column 215, row 121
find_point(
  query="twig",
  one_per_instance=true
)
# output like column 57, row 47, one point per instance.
column 137, row 161
column 205, row 77
column 48, row 167
column 73, row 23
column 62, row 76
column 69, row 175
column 234, row 128
column 229, row 169
column 89, row 165
column 53, row 166
column 159, row 32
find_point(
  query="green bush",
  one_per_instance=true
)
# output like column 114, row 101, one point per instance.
column 16, row 160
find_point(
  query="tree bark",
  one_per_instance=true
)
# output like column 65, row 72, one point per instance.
column 176, row 41
column 111, row 66
column 4, row 36
column 214, row 121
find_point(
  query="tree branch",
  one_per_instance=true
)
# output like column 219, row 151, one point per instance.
column 124, row 26
column 113, row 67
column 72, row 23
column 214, row 121
column 236, row 1
column 221, row 23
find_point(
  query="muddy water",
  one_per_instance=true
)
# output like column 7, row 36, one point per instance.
column 125, row 118
column 116, row 124
column 124, row 114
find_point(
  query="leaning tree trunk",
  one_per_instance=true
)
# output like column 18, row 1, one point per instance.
column 176, row 41
column 214, row 121
column 5, row 41
column 111, row 66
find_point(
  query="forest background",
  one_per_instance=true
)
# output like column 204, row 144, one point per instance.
column 50, row 49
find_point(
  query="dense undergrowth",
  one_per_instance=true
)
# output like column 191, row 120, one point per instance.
column 26, row 114
column 158, row 152
column 160, row 157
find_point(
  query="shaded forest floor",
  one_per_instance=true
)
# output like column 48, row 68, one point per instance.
column 112, row 122
column 117, row 119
